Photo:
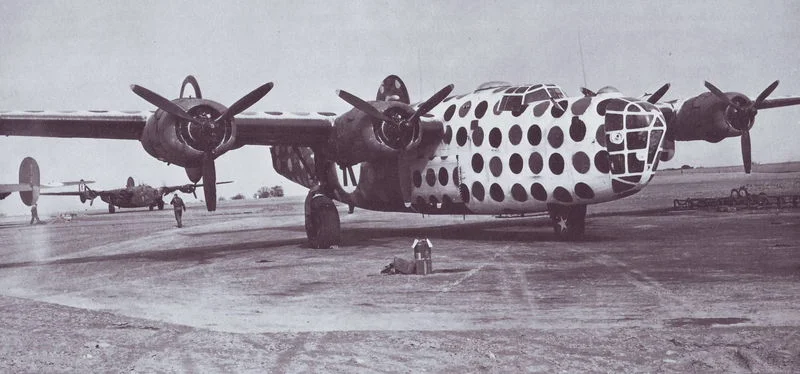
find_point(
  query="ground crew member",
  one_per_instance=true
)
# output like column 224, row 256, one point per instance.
column 34, row 214
column 179, row 207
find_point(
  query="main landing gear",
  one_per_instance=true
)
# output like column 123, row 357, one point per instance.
column 569, row 221
column 322, row 221
column 111, row 208
column 159, row 204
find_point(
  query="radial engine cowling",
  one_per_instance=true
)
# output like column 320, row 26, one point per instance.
column 178, row 141
column 360, row 137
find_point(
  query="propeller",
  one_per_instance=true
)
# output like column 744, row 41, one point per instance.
column 743, row 116
column 348, row 170
column 398, row 125
column 210, row 182
column 208, row 126
column 656, row 96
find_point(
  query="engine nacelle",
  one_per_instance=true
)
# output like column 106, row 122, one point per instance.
column 706, row 117
column 360, row 137
column 184, row 143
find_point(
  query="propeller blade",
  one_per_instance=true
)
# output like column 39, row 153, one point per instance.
column 763, row 96
column 363, row 106
column 352, row 175
column 432, row 102
column 246, row 101
column 587, row 92
column 746, row 151
column 656, row 96
column 716, row 91
column 161, row 103
column 210, row 182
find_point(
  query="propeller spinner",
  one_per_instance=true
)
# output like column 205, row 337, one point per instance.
column 208, row 126
column 741, row 115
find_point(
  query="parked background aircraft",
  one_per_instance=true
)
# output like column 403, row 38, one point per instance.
column 29, row 183
column 132, row 196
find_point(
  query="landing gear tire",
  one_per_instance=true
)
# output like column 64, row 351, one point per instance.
column 160, row 204
column 111, row 208
column 151, row 208
column 569, row 221
column 322, row 222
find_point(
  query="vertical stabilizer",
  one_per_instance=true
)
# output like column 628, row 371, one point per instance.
column 29, row 174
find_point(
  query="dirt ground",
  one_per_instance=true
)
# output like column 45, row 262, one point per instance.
column 647, row 290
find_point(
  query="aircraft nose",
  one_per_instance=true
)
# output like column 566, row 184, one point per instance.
column 634, row 132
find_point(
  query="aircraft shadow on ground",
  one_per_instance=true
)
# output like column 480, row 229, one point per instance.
column 530, row 230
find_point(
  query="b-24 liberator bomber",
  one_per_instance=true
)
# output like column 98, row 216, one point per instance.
column 132, row 196
column 500, row 149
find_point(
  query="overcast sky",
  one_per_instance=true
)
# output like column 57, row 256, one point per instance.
column 85, row 54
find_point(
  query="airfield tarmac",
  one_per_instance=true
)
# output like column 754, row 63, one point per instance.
column 647, row 290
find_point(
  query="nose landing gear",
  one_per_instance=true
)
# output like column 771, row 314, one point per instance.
column 569, row 221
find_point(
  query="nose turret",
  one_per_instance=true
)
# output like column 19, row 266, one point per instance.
column 634, row 134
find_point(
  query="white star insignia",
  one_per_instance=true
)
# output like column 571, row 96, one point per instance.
column 562, row 222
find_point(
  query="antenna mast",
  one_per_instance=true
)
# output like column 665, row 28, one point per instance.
column 583, row 66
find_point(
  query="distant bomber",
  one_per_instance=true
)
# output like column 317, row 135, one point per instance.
column 132, row 196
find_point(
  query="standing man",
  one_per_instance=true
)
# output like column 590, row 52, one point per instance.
column 34, row 214
column 179, row 207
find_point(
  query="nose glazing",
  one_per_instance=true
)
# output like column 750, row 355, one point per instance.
column 634, row 132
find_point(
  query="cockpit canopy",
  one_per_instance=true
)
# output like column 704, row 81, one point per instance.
column 516, row 99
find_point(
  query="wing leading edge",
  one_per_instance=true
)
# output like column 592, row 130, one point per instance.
column 253, row 128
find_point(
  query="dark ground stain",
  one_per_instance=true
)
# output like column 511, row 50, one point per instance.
column 704, row 322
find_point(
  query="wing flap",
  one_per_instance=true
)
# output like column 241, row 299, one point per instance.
column 82, row 124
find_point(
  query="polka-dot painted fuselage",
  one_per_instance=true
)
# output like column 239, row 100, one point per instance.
column 536, row 147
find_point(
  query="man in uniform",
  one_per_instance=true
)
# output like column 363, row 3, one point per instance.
column 179, row 207
column 34, row 214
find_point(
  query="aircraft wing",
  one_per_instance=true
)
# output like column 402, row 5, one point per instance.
column 70, row 193
column 185, row 188
column 256, row 128
column 8, row 188
column 83, row 124
column 275, row 128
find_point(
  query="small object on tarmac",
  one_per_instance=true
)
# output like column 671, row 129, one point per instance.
column 421, row 265
column 422, row 256
column 399, row 266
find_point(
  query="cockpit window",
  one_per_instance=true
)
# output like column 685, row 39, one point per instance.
column 555, row 92
column 515, row 101
column 511, row 103
column 537, row 95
